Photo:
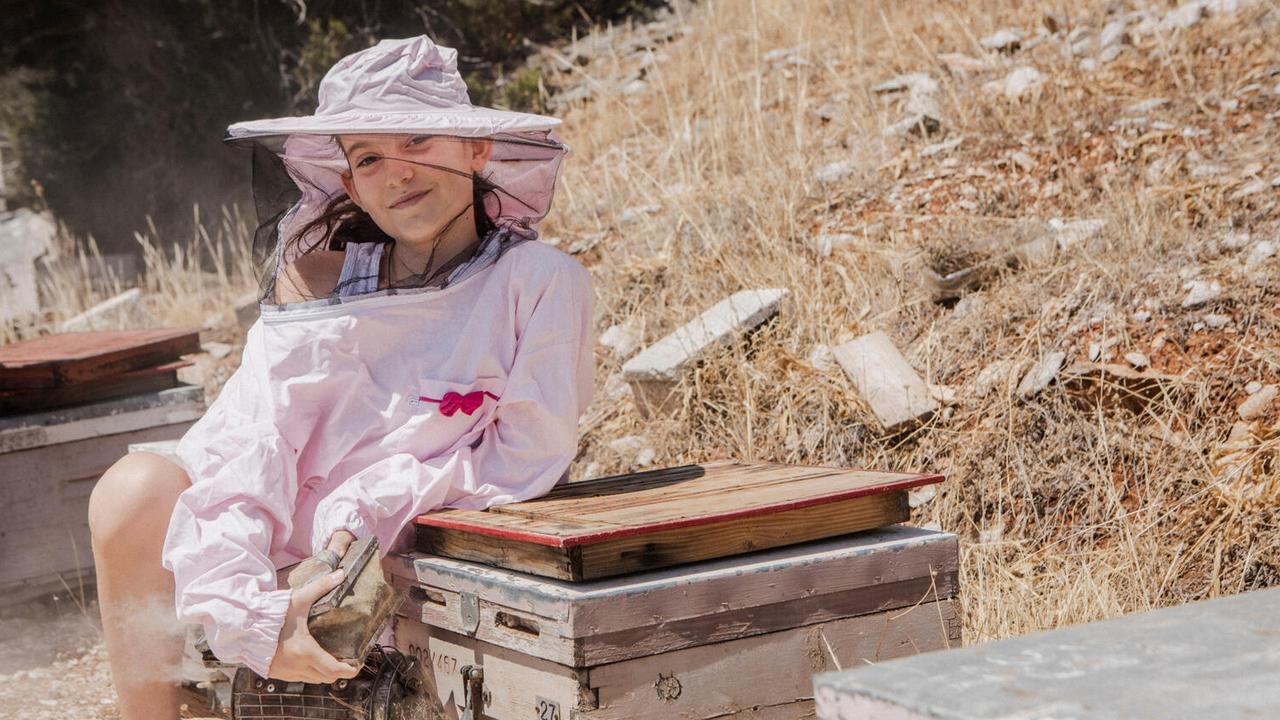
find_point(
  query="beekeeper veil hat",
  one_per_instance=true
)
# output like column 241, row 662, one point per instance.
column 411, row 89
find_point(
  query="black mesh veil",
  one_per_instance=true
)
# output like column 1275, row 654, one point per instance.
column 430, row 208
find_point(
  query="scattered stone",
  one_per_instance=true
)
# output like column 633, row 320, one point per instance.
column 622, row 338
column 1137, row 359
column 1114, row 33
column 217, row 350
column 1215, row 321
column 970, row 304
column 1004, row 41
column 1017, row 83
column 1253, row 187
column 989, row 535
column 1185, row 16
column 1234, row 240
column 834, row 172
column 586, row 243
column 1023, row 160
column 916, row 83
column 634, row 213
column 1253, row 387
column 827, row 243
column 654, row 372
column 616, row 388
column 1145, row 106
column 1068, row 234
column 940, row 147
column 944, row 394
column 1258, row 403
column 962, row 64
column 122, row 310
column 920, row 125
column 1141, row 316
column 897, row 396
column 1041, row 374
column 635, row 447
column 922, row 495
column 820, row 357
column 1200, row 292
column 635, row 87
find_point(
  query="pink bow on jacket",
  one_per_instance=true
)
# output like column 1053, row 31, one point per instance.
column 453, row 402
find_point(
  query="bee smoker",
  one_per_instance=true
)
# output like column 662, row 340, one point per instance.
column 346, row 622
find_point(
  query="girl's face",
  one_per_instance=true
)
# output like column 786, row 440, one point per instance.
column 415, row 187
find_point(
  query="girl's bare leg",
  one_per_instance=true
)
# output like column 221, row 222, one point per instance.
column 128, row 517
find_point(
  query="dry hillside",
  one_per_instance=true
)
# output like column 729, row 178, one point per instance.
column 1106, row 366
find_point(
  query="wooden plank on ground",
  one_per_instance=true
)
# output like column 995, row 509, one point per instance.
column 884, row 378
column 654, row 372
column 67, row 358
column 636, row 522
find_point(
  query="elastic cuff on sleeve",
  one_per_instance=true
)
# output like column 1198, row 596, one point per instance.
column 333, row 521
column 261, row 638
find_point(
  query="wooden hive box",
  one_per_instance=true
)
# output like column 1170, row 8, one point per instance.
column 731, row 637
column 49, row 463
column 642, row 521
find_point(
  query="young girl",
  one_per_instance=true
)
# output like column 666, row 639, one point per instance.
column 418, row 349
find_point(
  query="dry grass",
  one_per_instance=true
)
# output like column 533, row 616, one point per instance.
column 1068, row 512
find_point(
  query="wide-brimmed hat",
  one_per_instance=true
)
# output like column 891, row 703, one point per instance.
column 396, row 86
column 406, row 86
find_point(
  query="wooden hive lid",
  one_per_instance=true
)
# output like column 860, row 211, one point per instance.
column 70, row 358
column 641, row 521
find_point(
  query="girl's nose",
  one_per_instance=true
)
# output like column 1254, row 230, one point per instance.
column 400, row 173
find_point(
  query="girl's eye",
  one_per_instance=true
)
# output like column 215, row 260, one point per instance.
column 418, row 139
column 366, row 160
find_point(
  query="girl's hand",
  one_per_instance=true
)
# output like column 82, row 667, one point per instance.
column 298, row 656
column 340, row 541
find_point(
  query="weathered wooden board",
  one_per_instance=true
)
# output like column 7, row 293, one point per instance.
column 896, row 394
column 628, row 523
column 69, row 358
column 44, row 530
column 166, row 407
column 619, row 618
column 766, row 677
column 133, row 382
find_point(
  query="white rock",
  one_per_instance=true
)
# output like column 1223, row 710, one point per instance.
column 1257, row 404
column 1018, row 82
column 1141, row 316
column 827, row 243
column 635, row 87
column 634, row 213
column 990, row 535
column 921, row 495
column 1185, row 16
column 616, row 387
column 1253, row 387
column 645, row 457
column 919, row 83
column 1200, row 292
column 1234, row 240
column 998, row 373
column 622, row 338
column 883, row 377
column 919, row 124
column 628, row 444
column 1004, row 41
column 1259, row 253
column 942, row 147
column 1253, row 187
column 1215, row 321
column 1095, row 351
column 1114, row 33
column 586, row 242
column 1069, row 234
column 216, row 349
column 834, row 172
column 1145, row 106
column 1041, row 374
column 820, row 357
column 1137, row 359
column 1023, row 160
